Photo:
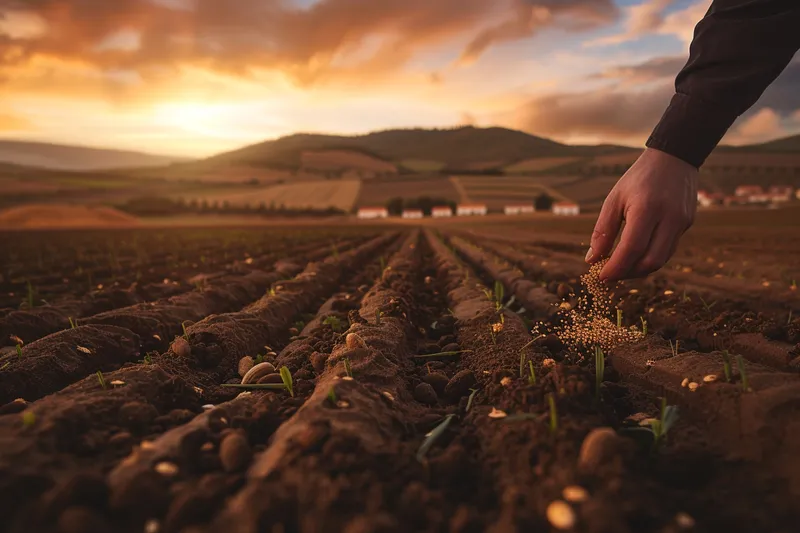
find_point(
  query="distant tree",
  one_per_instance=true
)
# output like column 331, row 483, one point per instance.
column 544, row 202
column 395, row 206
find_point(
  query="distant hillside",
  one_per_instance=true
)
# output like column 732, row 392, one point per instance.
column 463, row 148
column 787, row 144
column 65, row 157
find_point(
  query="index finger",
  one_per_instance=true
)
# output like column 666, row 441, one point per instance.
column 633, row 245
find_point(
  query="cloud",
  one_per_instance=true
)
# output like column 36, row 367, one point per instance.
column 654, row 69
column 651, row 17
column 242, row 36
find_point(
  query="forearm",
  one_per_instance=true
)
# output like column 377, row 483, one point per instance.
column 739, row 48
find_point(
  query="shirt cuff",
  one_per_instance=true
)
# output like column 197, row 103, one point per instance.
column 690, row 129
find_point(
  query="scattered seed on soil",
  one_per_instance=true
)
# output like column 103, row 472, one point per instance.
column 575, row 494
column 166, row 468
column 685, row 382
column 84, row 350
column 693, row 386
column 388, row 395
column 711, row 378
column 117, row 383
column 560, row 515
column 497, row 413
column 235, row 452
column 342, row 404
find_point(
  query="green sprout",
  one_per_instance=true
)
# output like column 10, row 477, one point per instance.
column 101, row 379
column 19, row 350
column 347, row 369
column 499, row 294
column 272, row 291
column 334, row 322
column 619, row 318
column 661, row 426
column 470, row 399
column 183, row 327
column 299, row 324
column 644, row 325
column 71, row 323
column 726, row 365
column 492, row 333
column 553, row 414
column 5, row 365
column 599, row 369
column 743, row 373
column 432, row 437
column 286, row 376
column 378, row 315
column 28, row 419
column 332, row 395
column 148, row 358
column 706, row 305
column 531, row 374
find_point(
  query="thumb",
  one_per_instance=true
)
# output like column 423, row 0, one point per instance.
column 605, row 230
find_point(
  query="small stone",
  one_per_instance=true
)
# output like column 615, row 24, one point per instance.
column 318, row 360
column 497, row 413
column 684, row 521
column 599, row 447
column 566, row 306
column 711, row 378
column 165, row 468
column 235, row 452
column 460, row 384
column 575, row 494
column 181, row 347
column 685, row 383
column 560, row 515
column 693, row 386
column 424, row 393
column 245, row 364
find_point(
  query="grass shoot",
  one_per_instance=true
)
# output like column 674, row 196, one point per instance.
column 101, row 379
column 432, row 437
column 28, row 419
column 332, row 395
column 743, row 373
column 348, row 370
column 499, row 294
column 726, row 365
column 470, row 400
column 71, row 323
column 185, row 333
column 674, row 347
column 553, row 414
column 531, row 374
column 661, row 426
column 619, row 318
column 599, row 370
column 286, row 376
column 378, row 315
column 644, row 325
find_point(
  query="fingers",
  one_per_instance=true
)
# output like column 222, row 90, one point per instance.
column 605, row 230
column 635, row 241
column 662, row 247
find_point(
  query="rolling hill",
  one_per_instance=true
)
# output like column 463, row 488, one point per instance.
column 66, row 157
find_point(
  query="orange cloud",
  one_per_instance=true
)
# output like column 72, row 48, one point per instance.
column 243, row 36
column 13, row 122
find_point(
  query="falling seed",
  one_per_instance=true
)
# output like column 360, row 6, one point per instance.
column 685, row 383
column 651, row 309
column 157, row 337
column 248, row 261
column 668, row 292
column 505, row 382
column 711, row 378
column 575, row 494
column 497, row 413
column 165, row 468
column 84, row 350
column 693, row 386
column 117, row 383
column 684, row 521
column 633, row 291
column 560, row 515
column 388, row 395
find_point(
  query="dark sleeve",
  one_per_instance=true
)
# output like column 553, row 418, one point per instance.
column 738, row 49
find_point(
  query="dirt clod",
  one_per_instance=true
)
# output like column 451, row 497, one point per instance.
column 245, row 364
column 81, row 520
column 460, row 384
column 437, row 380
column 181, row 347
column 235, row 452
column 424, row 393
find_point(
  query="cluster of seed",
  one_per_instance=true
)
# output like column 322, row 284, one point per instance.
column 589, row 323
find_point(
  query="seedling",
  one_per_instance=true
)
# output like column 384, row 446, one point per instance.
column 661, row 426
column 531, row 374
column 5, row 365
column 101, row 379
column 286, row 376
column 528, row 346
column 499, row 294
column 19, row 350
column 521, row 364
column 726, row 365
column 619, row 318
column 599, row 369
column 674, row 347
column 332, row 395
column 28, row 419
column 185, row 333
column 299, row 324
column 432, row 437
column 347, row 369
column 743, row 373
column 148, row 358
column 334, row 322
column 272, row 291
column 553, row 414
column 470, row 399
column 492, row 333
column 644, row 325
column 686, row 298
column 378, row 315
column 706, row 305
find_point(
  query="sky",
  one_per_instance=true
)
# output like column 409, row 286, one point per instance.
column 199, row 77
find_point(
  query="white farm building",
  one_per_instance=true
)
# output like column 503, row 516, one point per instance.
column 441, row 211
column 372, row 212
column 412, row 213
column 519, row 209
column 566, row 208
column 466, row 210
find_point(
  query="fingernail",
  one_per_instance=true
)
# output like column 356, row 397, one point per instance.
column 589, row 255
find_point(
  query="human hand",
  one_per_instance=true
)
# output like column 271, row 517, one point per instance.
column 657, row 199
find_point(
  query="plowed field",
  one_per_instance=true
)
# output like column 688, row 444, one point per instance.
column 364, row 380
